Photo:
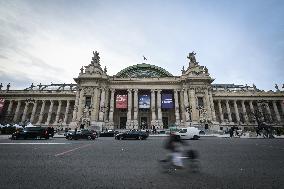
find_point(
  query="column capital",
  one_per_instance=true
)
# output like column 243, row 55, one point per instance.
column 112, row 90
column 135, row 90
column 153, row 90
column 129, row 90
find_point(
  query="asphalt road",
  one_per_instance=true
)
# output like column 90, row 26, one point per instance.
column 108, row 163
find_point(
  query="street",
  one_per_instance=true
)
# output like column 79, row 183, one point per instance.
column 109, row 163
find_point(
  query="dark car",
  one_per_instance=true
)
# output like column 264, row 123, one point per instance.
column 31, row 132
column 132, row 135
column 109, row 133
column 81, row 134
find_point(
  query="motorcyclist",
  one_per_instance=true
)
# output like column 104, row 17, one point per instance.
column 175, row 145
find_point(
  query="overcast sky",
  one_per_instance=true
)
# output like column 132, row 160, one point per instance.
column 240, row 42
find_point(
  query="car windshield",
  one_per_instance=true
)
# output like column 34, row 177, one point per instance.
column 183, row 131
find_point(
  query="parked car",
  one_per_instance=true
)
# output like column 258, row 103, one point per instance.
column 108, row 133
column 31, row 132
column 81, row 134
column 189, row 133
column 140, row 135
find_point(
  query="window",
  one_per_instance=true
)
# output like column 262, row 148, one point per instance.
column 200, row 101
column 88, row 101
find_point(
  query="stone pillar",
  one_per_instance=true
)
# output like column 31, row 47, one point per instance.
column 34, row 111
column 81, row 105
column 228, row 111
column 186, row 104
column 136, row 108
column 177, row 108
column 58, row 112
column 153, row 107
column 25, row 111
column 66, row 112
column 282, row 106
column 193, row 105
column 95, row 105
column 41, row 113
column 160, row 121
column 212, row 106
column 251, row 109
column 268, row 111
column 244, row 111
column 236, row 111
column 208, row 105
column 102, row 105
column 9, row 111
column 76, row 105
column 15, row 119
column 220, row 111
column 49, row 112
column 111, row 110
column 182, row 107
column 106, row 117
column 276, row 111
column 129, row 108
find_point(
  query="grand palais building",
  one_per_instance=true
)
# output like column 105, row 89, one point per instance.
column 140, row 97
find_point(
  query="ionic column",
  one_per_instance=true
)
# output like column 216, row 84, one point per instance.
column 58, row 112
column 34, row 111
column 25, row 111
column 49, row 112
column 182, row 106
column 153, row 107
column 276, row 111
column 111, row 110
column 193, row 105
column 212, row 106
column 186, row 104
column 208, row 104
column 282, row 106
column 136, row 108
column 251, row 109
column 236, row 111
column 244, row 111
column 66, row 112
column 76, row 105
column 106, row 117
column 41, row 113
column 220, row 111
column 129, row 107
column 102, row 105
column 95, row 105
column 228, row 111
column 177, row 108
column 268, row 111
column 17, row 111
column 10, row 107
column 80, row 106
column 159, row 107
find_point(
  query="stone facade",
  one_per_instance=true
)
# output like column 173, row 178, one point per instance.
column 92, row 100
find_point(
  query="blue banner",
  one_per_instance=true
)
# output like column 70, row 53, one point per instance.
column 167, row 101
column 144, row 101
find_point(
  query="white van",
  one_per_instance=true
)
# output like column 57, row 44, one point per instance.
column 189, row 133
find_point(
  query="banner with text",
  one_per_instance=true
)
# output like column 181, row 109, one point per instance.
column 2, row 101
column 144, row 101
column 167, row 101
column 121, row 101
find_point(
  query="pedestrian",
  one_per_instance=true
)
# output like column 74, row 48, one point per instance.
column 231, row 131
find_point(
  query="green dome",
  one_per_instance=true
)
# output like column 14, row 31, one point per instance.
column 143, row 70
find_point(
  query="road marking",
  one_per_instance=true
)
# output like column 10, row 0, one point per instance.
column 68, row 151
column 34, row 143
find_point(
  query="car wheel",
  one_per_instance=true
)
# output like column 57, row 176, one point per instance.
column 89, row 137
column 120, row 138
column 70, row 138
column 195, row 137
column 140, row 138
